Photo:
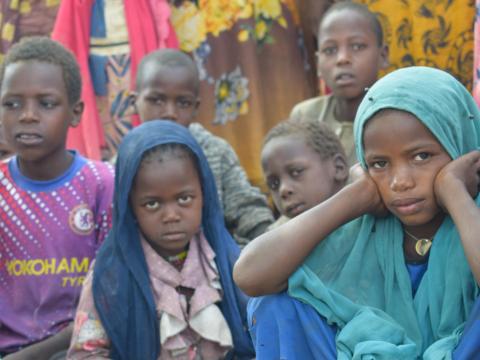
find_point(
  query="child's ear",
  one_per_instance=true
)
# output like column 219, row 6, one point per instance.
column 77, row 111
column 132, row 100
column 384, row 52
column 341, row 168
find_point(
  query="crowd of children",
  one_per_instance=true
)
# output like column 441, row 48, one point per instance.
column 143, row 261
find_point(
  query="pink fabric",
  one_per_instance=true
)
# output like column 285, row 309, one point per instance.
column 149, row 28
column 72, row 29
column 165, row 279
column 89, row 337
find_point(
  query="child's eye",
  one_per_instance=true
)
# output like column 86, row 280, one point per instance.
column 152, row 205
column 422, row 156
column 48, row 104
column 358, row 46
column 296, row 172
column 380, row 164
column 330, row 50
column 185, row 199
column 155, row 100
column 273, row 184
column 11, row 104
column 184, row 103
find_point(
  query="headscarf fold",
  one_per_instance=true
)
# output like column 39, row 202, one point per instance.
column 121, row 284
column 357, row 278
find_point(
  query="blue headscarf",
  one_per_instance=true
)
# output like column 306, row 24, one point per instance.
column 121, row 284
column 357, row 278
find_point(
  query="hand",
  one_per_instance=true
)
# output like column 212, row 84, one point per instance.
column 368, row 192
column 460, row 174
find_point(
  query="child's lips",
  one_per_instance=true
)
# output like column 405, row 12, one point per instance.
column 174, row 236
column 407, row 206
column 29, row 138
column 294, row 210
column 344, row 79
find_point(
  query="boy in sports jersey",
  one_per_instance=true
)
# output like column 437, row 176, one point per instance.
column 55, row 205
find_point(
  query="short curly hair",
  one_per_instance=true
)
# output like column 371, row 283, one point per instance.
column 317, row 135
column 169, row 58
column 46, row 50
column 361, row 10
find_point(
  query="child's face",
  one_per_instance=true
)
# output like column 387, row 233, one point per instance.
column 35, row 110
column 349, row 55
column 166, row 199
column 168, row 93
column 403, row 159
column 296, row 175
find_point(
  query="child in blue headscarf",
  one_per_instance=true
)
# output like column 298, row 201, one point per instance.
column 161, row 286
column 389, row 267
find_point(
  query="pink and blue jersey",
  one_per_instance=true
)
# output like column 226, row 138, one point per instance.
column 49, row 234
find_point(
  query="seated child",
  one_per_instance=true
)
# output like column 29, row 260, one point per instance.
column 351, row 52
column 167, row 87
column 161, row 286
column 55, row 205
column 388, row 267
column 304, row 164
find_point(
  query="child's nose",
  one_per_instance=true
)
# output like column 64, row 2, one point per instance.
column 343, row 55
column 402, row 180
column 29, row 112
column 285, row 189
column 170, row 112
column 170, row 214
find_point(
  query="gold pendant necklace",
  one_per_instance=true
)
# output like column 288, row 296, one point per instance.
column 422, row 246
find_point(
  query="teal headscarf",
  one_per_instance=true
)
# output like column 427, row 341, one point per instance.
column 357, row 277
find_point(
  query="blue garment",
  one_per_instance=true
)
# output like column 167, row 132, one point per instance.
column 281, row 327
column 284, row 328
column 49, row 185
column 416, row 272
column 121, row 285
column 469, row 346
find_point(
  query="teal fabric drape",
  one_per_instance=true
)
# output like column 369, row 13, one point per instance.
column 357, row 277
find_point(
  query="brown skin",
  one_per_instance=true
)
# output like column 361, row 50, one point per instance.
column 349, row 58
column 36, row 115
column 404, row 167
column 297, row 176
column 264, row 266
column 455, row 186
column 168, row 93
column 166, row 199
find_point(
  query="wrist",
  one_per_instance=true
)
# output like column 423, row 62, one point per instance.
column 456, row 200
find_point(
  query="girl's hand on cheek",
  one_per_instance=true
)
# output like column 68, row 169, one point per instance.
column 462, row 174
column 368, row 194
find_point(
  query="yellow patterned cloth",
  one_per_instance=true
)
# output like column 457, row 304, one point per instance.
column 436, row 33
column 253, row 67
column 19, row 18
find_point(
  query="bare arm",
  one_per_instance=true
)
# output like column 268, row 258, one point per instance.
column 266, row 263
column 456, row 186
column 46, row 348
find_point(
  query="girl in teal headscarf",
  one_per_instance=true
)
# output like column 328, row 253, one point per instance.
column 392, row 262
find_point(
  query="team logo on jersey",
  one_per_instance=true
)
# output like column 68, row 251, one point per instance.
column 81, row 220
